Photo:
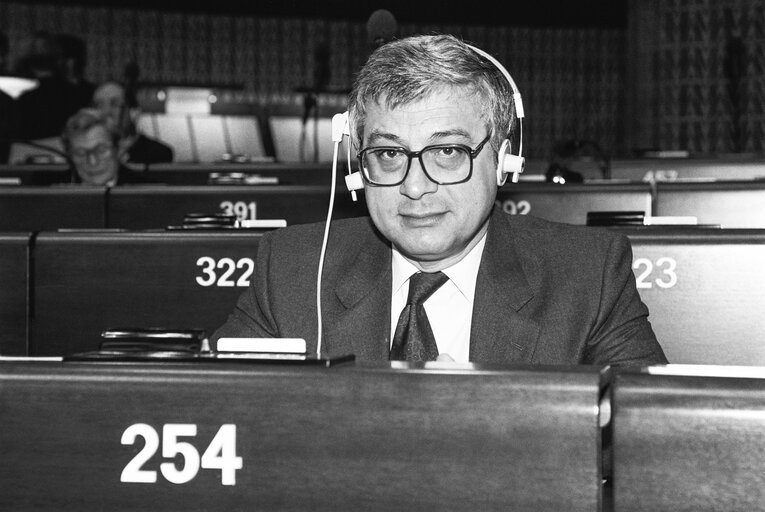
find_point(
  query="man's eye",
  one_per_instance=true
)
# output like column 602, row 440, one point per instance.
column 390, row 154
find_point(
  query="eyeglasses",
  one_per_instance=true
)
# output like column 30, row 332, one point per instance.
column 444, row 164
column 99, row 152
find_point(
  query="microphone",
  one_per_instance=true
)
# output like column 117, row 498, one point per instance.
column 381, row 28
column 734, row 65
column 321, row 76
column 321, row 70
column 130, row 78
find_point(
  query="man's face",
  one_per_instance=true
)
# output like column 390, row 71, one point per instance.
column 94, row 156
column 434, row 226
column 110, row 100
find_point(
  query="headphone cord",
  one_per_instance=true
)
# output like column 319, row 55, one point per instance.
column 324, row 249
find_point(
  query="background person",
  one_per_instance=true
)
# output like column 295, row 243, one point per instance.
column 121, row 109
column 91, row 145
column 41, row 112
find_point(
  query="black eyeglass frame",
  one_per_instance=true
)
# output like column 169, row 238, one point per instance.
column 100, row 152
column 411, row 154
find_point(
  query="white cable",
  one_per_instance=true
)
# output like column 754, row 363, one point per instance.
column 324, row 249
column 350, row 170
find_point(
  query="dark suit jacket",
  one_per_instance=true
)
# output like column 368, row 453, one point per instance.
column 125, row 176
column 146, row 150
column 547, row 293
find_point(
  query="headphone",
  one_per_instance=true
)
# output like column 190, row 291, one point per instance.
column 507, row 163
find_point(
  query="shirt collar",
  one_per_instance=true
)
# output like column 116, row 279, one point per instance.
column 463, row 273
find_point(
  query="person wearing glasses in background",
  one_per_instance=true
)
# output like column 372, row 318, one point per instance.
column 91, row 145
column 428, row 115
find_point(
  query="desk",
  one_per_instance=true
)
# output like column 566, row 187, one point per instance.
column 307, row 438
column 704, row 289
column 672, row 169
column 14, row 290
column 688, row 442
column 570, row 203
column 739, row 204
column 157, row 206
column 179, row 173
column 86, row 282
column 30, row 208
column 199, row 174
column 34, row 174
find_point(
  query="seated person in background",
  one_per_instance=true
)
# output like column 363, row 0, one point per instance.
column 73, row 60
column 121, row 109
column 91, row 145
column 41, row 112
column 428, row 115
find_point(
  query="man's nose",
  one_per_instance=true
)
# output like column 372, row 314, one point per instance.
column 417, row 184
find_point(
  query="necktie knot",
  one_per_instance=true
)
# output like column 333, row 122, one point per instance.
column 422, row 285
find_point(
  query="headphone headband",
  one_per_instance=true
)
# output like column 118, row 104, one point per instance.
column 508, row 163
column 517, row 101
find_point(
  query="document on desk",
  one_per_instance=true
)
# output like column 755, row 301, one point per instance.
column 262, row 345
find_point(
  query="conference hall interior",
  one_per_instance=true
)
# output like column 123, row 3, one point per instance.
column 645, row 118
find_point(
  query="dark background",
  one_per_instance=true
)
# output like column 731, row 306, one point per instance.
column 597, row 13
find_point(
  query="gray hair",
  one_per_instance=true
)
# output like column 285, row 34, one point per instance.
column 82, row 121
column 404, row 70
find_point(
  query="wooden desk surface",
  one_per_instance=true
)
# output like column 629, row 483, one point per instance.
column 688, row 443
column 388, row 437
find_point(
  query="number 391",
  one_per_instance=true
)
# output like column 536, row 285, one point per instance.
column 220, row 453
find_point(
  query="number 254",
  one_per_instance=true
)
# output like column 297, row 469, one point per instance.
column 220, row 454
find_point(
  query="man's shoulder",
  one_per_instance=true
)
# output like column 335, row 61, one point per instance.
column 300, row 245
column 542, row 228
column 540, row 238
column 149, row 150
column 341, row 230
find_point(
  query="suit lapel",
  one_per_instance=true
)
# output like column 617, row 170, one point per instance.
column 360, row 323
column 500, row 331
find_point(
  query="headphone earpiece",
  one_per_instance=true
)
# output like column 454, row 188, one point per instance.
column 508, row 163
column 354, row 181
column 340, row 129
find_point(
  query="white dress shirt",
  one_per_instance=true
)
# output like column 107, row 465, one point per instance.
column 449, row 309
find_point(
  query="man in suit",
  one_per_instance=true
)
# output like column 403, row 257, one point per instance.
column 122, row 111
column 432, row 118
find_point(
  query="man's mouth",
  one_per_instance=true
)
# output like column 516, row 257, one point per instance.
column 421, row 218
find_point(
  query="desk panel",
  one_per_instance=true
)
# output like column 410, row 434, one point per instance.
column 185, row 173
column 295, row 141
column 688, row 443
column 34, row 174
column 570, row 203
column 285, row 174
column 87, row 282
column 148, row 207
column 308, row 438
column 705, row 290
column 728, row 204
column 30, row 208
column 673, row 169
column 14, row 290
